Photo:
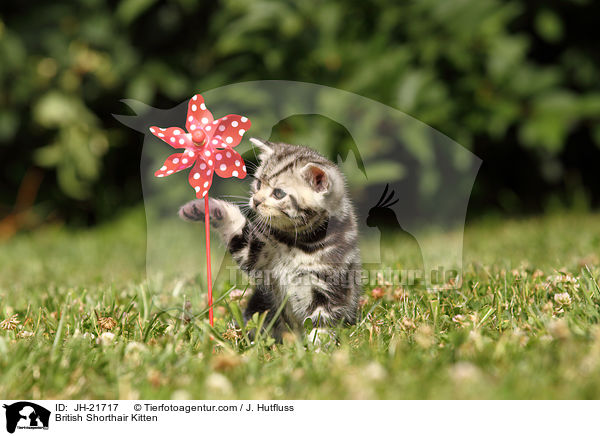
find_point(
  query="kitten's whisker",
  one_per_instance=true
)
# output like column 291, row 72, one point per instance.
column 254, row 151
column 239, row 197
column 296, row 230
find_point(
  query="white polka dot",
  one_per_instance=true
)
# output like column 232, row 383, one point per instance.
column 170, row 172
column 193, row 127
column 172, row 139
column 197, row 188
column 206, row 184
column 190, row 118
column 244, row 119
column 203, row 106
column 204, row 120
column 221, row 128
column 184, row 161
column 196, row 176
column 162, row 135
column 152, row 129
column 219, row 156
column 244, row 168
column 202, row 166
column 194, row 107
column 210, row 162
column 163, row 168
column 234, row 123
column 176, row 160
column 176, row 132
column 163, row 129
column 228, row 154
column 234, row 174
column 160, row 175
column 229, row 140
column 223, row 167
column 241, row 132
column 237, row 163
column 208, row 172
column 207, row 152
column 195, row 97
column 182, row 141
column 214, row 141
column 204, row 193
column 191, row 153
column 208, row 128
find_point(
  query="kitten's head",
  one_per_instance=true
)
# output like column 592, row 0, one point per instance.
column 295, row 187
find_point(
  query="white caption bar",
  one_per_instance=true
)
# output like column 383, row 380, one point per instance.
column 91, row 418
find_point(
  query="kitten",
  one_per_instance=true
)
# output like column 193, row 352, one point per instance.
column 301, row 243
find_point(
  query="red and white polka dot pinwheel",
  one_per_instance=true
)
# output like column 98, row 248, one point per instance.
column 208, row 146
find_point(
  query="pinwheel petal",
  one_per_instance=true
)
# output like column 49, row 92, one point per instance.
column 212, row 150
column 230, row 129
column 201, row 177
column 188, row 157
column 197, row 114
column 229, row 163
column 176, row 137
column 174, row 163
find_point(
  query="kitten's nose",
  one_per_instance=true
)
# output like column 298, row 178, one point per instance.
column 256, row 201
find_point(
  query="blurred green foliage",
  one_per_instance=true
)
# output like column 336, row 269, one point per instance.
column 510, row 80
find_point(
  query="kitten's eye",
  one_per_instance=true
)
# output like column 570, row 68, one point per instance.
column 258, row 183
column 279, row 193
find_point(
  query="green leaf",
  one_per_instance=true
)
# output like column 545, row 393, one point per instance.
column 549, row 26
column 129, row 10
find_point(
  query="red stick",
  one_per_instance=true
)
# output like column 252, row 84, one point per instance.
column 208, row 266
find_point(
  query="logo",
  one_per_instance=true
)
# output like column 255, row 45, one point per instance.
column 422, row 178
column 26, row 415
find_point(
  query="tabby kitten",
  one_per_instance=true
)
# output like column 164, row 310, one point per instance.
column 301, row 243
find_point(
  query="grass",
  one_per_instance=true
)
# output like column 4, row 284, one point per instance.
column 524, row 324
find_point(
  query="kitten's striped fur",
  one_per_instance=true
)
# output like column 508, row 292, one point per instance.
column 302, row 241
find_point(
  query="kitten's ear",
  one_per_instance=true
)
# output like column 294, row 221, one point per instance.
column 265, row 147
column 317, row 177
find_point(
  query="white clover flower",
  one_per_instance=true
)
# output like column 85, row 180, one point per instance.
column 563, row 299
column 236, row 294
column 219, row 384
column 10, row 323
column 105, row 338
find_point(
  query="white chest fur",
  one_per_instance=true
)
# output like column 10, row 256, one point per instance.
column 290, row 274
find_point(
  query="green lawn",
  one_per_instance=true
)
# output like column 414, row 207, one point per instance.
column 523, row 325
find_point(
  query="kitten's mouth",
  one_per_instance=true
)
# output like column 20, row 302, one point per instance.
column 278, row 218
column 269, row 212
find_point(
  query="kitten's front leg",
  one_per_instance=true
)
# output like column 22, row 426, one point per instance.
column 323, row 318
column 225, row 217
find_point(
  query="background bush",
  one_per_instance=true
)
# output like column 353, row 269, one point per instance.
column 516, row 82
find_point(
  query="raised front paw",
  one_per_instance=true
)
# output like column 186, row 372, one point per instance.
column 194, row 211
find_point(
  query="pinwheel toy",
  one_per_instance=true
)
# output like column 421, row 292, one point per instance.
column 208, row 145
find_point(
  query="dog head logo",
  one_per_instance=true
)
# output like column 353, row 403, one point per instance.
column 26, row 415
